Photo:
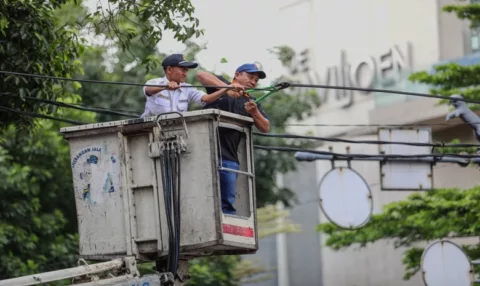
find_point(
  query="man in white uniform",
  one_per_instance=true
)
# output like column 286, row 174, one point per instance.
column 173, row 94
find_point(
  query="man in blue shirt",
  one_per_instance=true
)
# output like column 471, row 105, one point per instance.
column 241, row 103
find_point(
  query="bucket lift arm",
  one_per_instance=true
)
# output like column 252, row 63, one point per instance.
column 125, row 268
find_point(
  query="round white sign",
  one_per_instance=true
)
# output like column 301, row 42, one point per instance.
column 444, row 263
column 345, row 198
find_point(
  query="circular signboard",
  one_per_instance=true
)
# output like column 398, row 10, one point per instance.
column 444, row 263
column 345, row 198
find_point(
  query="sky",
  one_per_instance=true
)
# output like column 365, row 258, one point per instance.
column 265, row 26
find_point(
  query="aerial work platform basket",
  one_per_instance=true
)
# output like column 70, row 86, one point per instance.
column 119, row 186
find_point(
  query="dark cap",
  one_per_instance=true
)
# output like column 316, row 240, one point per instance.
column 178, row 60
column 251, row 68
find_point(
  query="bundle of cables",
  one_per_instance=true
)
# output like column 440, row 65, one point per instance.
column 171, row 185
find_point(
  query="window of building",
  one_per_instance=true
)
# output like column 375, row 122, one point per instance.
column 474, row 41
column 475, row 34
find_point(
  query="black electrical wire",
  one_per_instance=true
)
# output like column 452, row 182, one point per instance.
column 90, row 108
column 166, row 170
column 166, row 176
column 115, row 82
column 175, row 207
column 381, row 90
column 37, row 115
column 78, row 107
column 286, row 136
column 360, row 156
column 170, row 170
column 179, row 171
column 376, row 142
column 131, row 114
column 165, row 195
column 380, row 125
column 168, row 210
column 128, row 113
column 318, row 86
column 172, row 247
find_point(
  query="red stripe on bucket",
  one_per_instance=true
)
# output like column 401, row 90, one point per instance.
column 237, row 230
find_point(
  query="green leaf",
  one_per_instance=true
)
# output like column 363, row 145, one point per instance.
column 77, row 85
column 22, row 93
column 3, row 25
column 38, row 36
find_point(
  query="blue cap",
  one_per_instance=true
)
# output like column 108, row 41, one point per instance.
column 251, row 68
column 178, row 60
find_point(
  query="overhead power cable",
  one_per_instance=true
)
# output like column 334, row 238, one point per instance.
column 360, row 156
column 78, row 107
column 285, row 136
column 448, row 158
column 381, row 90
column 317, row 86
column 37, row 115
column 380, row 125
column 112, row 82
column 375, row 142
column 464, row 162
column 129, row 113
column 133, row 113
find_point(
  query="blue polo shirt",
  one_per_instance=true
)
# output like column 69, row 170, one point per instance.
column 229, row 138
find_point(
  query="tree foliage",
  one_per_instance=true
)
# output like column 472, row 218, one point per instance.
column 422, row 217
column 147, row 20
column 36, row 39
column 31, row 41
column 435, row 214
column 470, row 12
column 453, row 78
column 37, row 214
column 37, row 209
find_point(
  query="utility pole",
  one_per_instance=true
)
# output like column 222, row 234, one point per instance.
column 282, row 259
column 281, row 242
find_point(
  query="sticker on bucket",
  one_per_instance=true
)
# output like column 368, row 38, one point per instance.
column 96, row 173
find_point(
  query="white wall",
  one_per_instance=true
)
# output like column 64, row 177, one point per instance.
column 453, row 33
column 366, row 28
column 378, row 264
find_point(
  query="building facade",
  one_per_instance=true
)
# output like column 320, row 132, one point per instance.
column 368, row 44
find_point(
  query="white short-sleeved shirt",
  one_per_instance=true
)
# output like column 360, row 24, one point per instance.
column 170, row 100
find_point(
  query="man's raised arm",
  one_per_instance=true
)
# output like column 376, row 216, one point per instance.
column 207, row 78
